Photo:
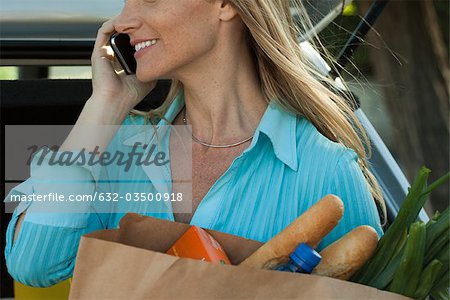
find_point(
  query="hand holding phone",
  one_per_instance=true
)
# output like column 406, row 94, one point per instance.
column 119, row 92
column 124, row 52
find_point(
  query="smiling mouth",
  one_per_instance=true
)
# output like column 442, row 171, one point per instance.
column 143, row 45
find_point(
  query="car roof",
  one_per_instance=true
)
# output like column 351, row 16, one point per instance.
column 54, row 19
column 80, row 19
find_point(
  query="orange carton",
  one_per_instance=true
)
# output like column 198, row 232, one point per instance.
column 196, row 243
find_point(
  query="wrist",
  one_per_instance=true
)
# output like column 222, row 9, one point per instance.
column 101, row 111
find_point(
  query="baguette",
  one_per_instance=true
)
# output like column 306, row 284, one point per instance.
column 309, row 228
column 348, row 254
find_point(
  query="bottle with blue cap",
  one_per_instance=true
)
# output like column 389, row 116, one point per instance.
column 303, row 260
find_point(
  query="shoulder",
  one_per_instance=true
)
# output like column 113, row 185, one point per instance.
column 324, row 165
column 316, row 151
column 332, row 168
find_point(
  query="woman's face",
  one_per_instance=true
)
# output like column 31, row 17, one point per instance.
column 169, row 35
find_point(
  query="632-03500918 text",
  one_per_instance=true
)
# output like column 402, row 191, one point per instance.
column 102, row 197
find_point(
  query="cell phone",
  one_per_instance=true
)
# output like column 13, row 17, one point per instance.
column 124, row 52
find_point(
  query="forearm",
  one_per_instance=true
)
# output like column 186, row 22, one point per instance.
column 44, row 255
column 96, row 125
column 47, row 179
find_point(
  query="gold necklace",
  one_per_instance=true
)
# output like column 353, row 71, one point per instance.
column 210, row 145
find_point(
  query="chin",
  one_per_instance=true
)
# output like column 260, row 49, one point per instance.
column 143, row 76
column 148, row 73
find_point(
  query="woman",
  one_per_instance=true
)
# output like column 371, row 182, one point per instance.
column 269, row 139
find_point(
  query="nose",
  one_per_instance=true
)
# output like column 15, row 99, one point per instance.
column 128, row 20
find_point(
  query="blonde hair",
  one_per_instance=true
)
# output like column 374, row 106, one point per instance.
column 287, row 77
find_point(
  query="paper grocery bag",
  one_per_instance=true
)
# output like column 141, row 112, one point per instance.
column 129, row 263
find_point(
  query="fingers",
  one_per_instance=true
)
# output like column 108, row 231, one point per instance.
column 104, row 32
column 101, row 47
column 118, row 68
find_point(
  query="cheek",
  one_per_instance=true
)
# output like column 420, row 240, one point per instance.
column 191, row 42
column 180, row 47
column 185, row 36
column 191, row 30
column 192, row 37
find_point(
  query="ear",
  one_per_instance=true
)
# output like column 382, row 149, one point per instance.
column 227, row 10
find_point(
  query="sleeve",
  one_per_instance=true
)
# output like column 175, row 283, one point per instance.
column 45, row 249
column 348, row 183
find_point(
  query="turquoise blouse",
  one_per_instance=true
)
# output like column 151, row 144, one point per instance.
column 288, row 167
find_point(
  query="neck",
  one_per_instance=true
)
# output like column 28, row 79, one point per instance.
column 195, row 139
column 224, row 103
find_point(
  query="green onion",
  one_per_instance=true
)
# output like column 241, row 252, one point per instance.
column 428, row 279
column 413, row 258
column 391, row 240
column 408, row 273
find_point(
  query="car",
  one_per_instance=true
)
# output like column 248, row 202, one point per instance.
column 36, row 35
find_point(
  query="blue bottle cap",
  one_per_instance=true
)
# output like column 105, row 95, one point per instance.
column 306, row 257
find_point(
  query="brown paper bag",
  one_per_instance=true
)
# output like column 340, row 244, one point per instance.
column 127, row 263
